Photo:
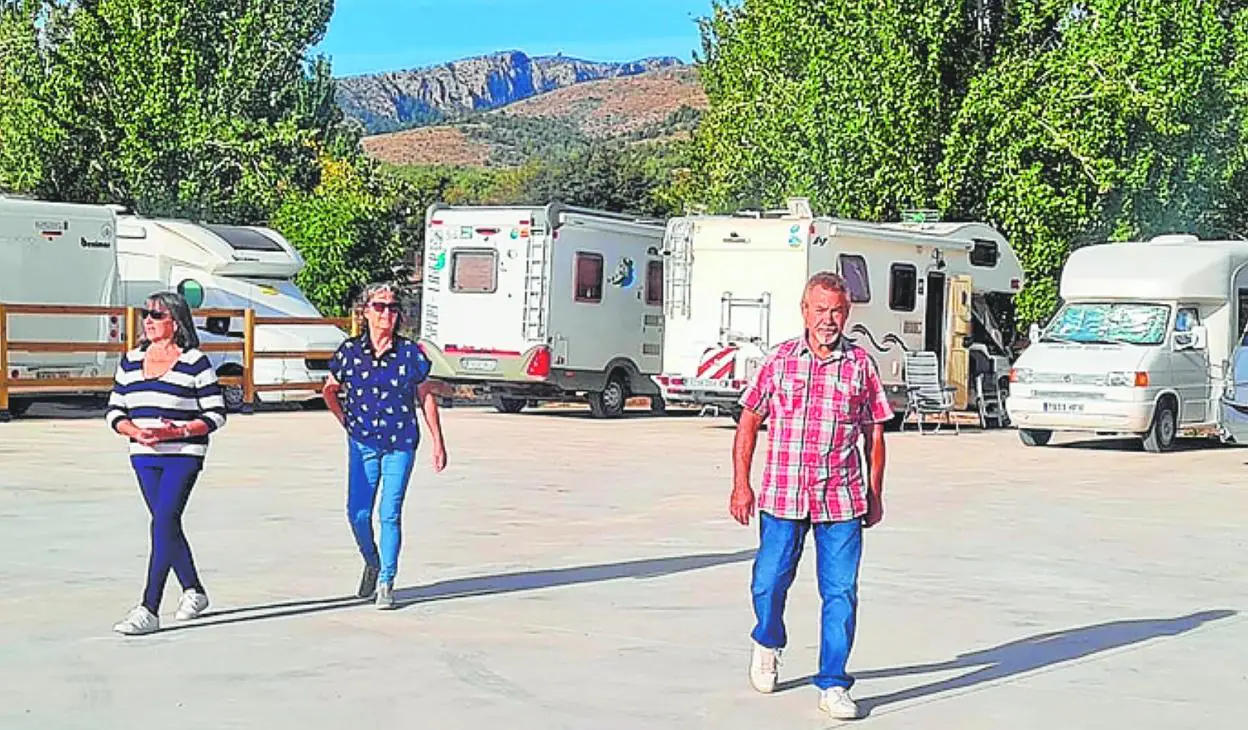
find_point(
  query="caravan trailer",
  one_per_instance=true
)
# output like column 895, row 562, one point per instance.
column 544, row 303
column 735, row 283
column 58, row 254
column 1141, row 345
column 230, row 267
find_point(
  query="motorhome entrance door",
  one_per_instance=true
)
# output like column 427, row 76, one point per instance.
column 958, row 370
column 934, row 320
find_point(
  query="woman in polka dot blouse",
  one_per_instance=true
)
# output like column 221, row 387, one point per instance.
column 378, row 381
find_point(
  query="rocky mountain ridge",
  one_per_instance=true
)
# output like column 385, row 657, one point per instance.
column 387, row 102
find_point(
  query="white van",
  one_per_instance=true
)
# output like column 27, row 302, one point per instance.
column 58, row 254
column 230, row 267
column 553, row 303
column 1141, row 345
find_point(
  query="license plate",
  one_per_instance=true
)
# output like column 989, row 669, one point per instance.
column 51, row 374
column 706, row 383
column 479, row 364
column 1063, row 407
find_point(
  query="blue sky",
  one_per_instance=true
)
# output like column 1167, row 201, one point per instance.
column 366, row 36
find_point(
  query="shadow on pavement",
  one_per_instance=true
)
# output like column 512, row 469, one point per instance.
column 1026, row 655
column 485, row 585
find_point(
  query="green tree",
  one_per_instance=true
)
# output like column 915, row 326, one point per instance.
column 203, row 108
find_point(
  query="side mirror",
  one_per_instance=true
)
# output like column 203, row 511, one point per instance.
column 1194, row 339
column 1033, row 333
column 1200, row 337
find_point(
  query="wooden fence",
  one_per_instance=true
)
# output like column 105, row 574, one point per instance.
column 129, row 317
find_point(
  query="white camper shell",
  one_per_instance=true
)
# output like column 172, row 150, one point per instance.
column 230, row 267
column 735, row 283
column 1141, row 344
column 529, row 303
column 58, row 254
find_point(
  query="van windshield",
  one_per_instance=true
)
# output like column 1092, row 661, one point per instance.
column 1095, row 323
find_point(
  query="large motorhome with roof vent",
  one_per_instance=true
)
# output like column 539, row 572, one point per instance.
column 57, row 254
column 735, row 282
column 1141, row 345
column 544, row 303
column 230, row 267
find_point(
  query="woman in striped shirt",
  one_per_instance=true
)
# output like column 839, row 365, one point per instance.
column 166, row 400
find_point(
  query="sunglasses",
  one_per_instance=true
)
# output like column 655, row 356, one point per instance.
column 384, row 307
column 153, row 314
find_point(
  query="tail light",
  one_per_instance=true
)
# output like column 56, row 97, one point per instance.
column 539, row 366
column 114, row 332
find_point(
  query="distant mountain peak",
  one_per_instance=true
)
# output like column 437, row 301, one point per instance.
column 396, row 100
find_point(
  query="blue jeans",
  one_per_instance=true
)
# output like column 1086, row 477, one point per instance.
column 838, row 551
column 368, row 469
column 166, row 481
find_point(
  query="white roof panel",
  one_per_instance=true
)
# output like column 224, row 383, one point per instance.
column 1164, row 269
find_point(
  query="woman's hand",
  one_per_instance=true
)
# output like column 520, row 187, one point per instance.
column 439, row 457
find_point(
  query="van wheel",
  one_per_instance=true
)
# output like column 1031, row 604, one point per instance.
column 1165, row 427
column 610, row 402
column 1034, row 437
column 658, row 406
column 510, row 405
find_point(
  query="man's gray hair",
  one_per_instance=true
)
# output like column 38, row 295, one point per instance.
column 829, row 280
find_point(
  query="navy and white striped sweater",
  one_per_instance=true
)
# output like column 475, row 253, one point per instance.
column 188, row 392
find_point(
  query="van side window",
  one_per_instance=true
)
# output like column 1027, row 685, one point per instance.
column 588, row 277
column 473, row 271
column 853, row 268
column 985, row 254
column 654, row 283
column 903, row 284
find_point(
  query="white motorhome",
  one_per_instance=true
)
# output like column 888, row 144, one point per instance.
column 735, row 282
column 1141, row 344
column 530, row 303
column 58, row 254
column 230, row 267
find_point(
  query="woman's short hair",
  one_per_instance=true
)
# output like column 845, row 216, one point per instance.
column 366, row 296
column 184, row 333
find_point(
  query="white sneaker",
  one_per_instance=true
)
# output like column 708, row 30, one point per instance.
column 764, row 665
column 193, row 604
column 836, row 702
column 140, row 621
column 385, row 596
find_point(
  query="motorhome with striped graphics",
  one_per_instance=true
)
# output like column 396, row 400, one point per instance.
column 735, row 282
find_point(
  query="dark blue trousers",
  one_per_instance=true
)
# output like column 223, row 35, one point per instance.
column 166, row 482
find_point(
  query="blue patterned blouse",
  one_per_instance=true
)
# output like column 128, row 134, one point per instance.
column 379, row 393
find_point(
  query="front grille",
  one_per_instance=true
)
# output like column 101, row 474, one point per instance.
column 1068, row 379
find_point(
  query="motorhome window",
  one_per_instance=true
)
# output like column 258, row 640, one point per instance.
column 245, row 239
column 1186, row 319
column 903, row 281
column 654, row 283
column 473, row 271
column 854, row 270
column 1242, row 324
column 1104, row 323
column 985, row 254
column 588, row 277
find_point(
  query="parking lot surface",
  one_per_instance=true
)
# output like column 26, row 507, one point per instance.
column 571, row 573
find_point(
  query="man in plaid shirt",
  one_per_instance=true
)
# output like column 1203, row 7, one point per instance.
column 820, row 394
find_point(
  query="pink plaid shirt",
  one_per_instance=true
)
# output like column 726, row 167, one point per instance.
column 816, row 411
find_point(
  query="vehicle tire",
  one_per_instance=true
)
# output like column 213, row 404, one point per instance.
column 609, row 403
column 510, row 405
column 18, row 407
column 658, row 406
column 1165, row 427
column 1034, row 436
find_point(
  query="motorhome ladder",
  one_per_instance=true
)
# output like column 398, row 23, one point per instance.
column 680, row 269
column 535, row 290
column 762, row 305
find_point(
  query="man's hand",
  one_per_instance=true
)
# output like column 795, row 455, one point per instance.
column 875, row 512
column 741, row 504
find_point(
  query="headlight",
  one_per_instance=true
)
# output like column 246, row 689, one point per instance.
column 1127, row 379
column 1020, row 375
